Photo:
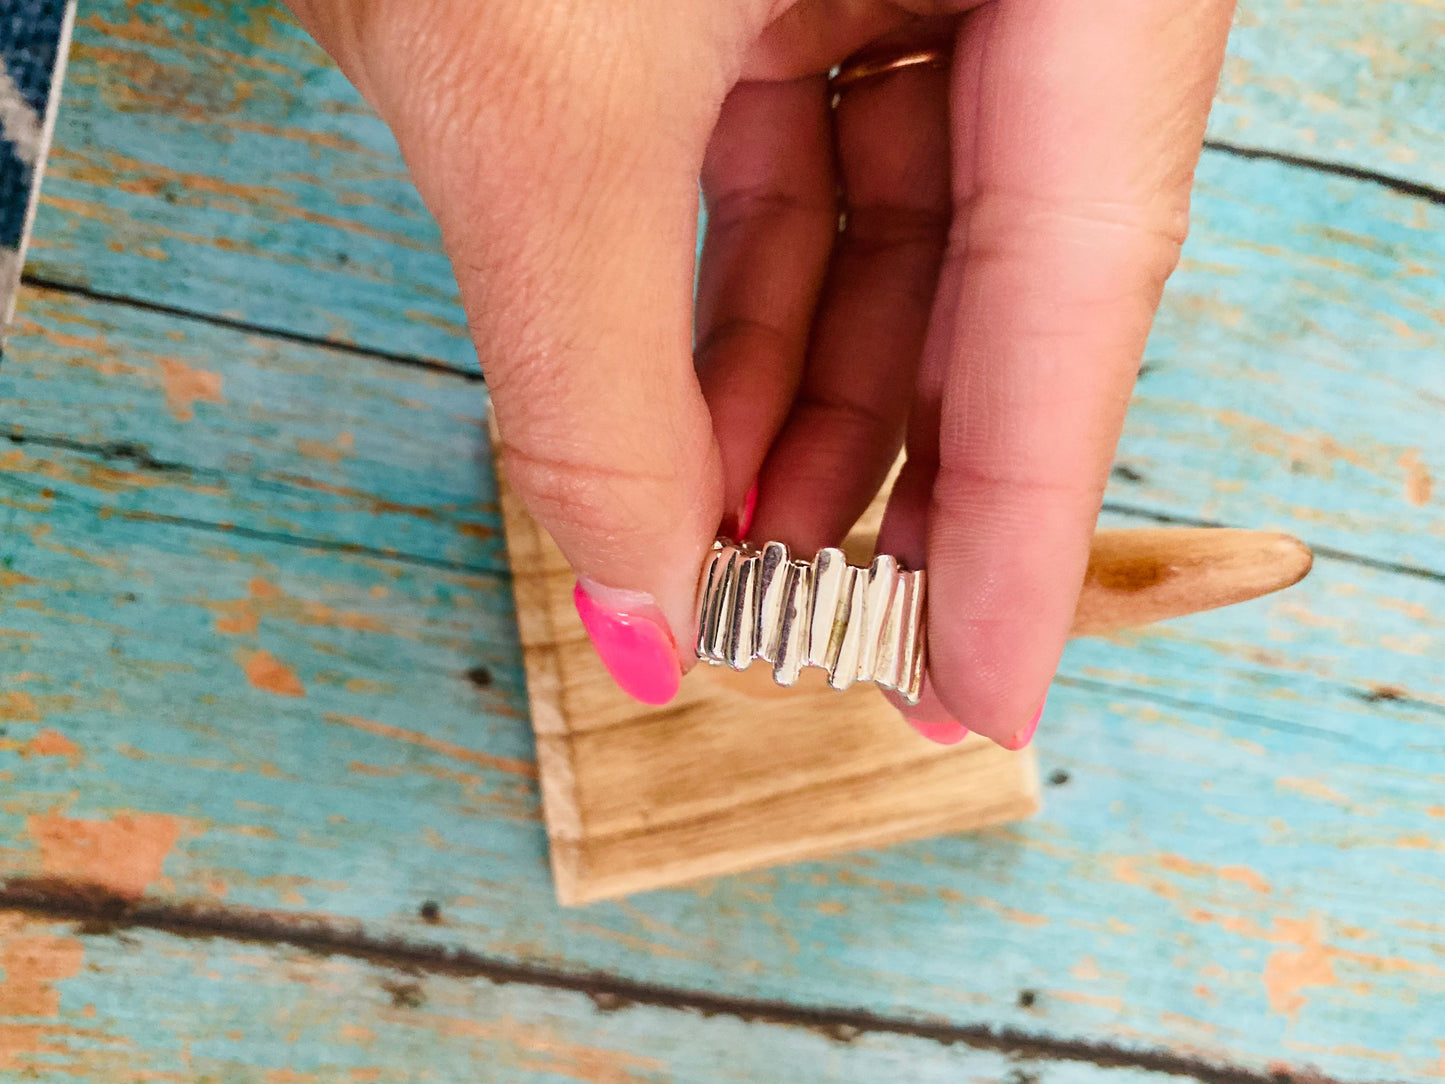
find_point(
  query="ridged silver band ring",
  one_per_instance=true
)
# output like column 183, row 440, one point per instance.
column 858, row 624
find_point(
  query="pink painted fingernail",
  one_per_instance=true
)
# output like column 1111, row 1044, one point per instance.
column 738, row 524
column 944, row 732
column 632, row 639
column 745, row 514
column 1026, row 733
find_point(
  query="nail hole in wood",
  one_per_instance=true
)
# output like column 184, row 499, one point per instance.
column 405, row 995
column 1382, row 692
column 1058, row 777
column 480, row 676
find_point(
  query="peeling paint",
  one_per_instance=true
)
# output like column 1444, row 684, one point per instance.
column 185, row 386
column 269, row 674
column 122, row 855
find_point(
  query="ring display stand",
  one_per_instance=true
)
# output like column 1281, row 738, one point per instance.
column 737, row 773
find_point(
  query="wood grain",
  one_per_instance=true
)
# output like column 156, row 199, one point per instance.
column 1296, row 292
column 722, row 779
column 1238, row 786
column 204, row 1010
column 213, row 425
column 1339, row 82
column 1240, row 855
column 1288, row 745
column 209, row 157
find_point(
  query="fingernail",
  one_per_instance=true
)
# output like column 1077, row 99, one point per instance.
column 745, row 514
column 1026, row 733
column 737, row 525
column 631, row 638
column 944, row 732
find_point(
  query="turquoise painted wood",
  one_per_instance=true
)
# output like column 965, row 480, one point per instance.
column 265, row 650
column 210, row 158
column 1294, row 376
column 223, row 165
column 1297, row 292
column 184, row 419
column 1245, row 860
column 1338, row 81
column 281, row 1016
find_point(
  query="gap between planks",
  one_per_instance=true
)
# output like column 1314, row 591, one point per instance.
column 1338, row 169
column 104, row 914
column 412, row 361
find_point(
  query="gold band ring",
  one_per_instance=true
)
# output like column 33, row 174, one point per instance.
column 855, row 71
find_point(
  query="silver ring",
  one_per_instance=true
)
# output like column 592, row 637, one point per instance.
column 859, row 624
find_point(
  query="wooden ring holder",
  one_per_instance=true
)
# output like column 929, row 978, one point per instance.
column 737, row 774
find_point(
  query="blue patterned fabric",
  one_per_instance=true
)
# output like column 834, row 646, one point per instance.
column 31, row 35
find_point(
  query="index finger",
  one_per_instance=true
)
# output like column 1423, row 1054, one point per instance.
column 1076, row 132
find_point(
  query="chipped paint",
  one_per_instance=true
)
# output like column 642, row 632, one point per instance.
column 185, row 386
column 1419, row 485
column 18, row 706
column 341, row 448
column 242, row 616
column 33, row 958
column 1280, row 329
column 31, row 963
column 269, row 674
column 1304, row 965
column 122, row 855
column 52, row 743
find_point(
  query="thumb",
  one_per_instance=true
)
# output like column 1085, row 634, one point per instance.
column 567, row 196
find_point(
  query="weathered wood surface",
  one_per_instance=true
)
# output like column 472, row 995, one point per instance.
column 1298, row 292
column 208, row 157
column 276, row 726
column 298, row 440
column 269, row 678
column 1338, row 81
column 248, row 1014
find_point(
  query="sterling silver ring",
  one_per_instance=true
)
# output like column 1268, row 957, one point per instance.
column 859, row 624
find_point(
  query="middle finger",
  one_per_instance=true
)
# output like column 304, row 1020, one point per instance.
column 846, row 425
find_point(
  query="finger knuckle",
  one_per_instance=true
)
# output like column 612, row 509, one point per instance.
column 1132, row 245
column 581, row 497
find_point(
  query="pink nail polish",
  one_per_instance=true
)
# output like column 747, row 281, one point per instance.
column 1026, row 733
column 943, row 732
column 745, row 514
column 736, row 526
column 632, row 639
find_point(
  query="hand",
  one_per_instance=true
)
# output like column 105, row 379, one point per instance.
column 1009, row 226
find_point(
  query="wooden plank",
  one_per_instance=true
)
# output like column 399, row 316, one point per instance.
column 1293, row 378
column 1297, row 292
column 1321, row 714
column 205, row 423
column 209, row 157
column 147, row 1006
column 1239, row 787
column 1355, row 84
